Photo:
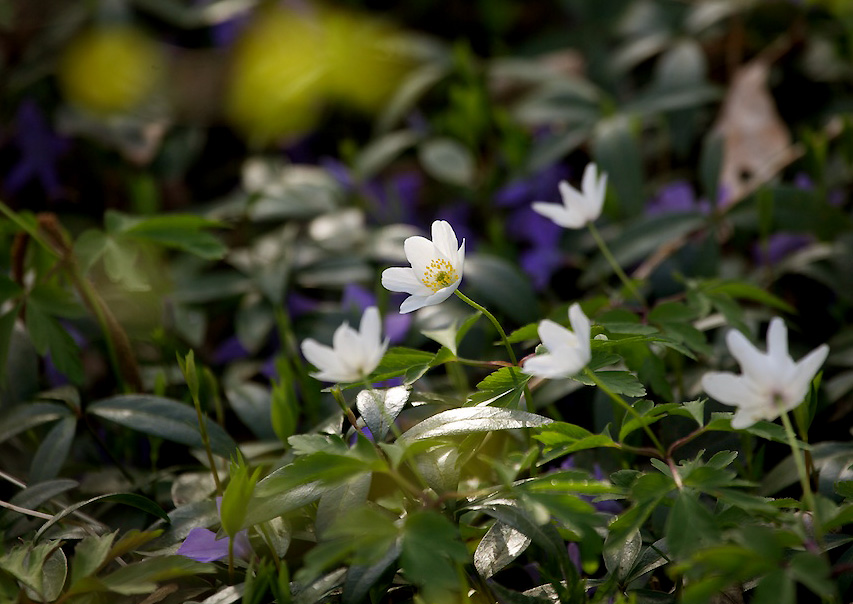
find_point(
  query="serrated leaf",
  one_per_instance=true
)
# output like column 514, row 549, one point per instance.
column 335, row 502
column 380, row 408
column 499, row 546
column 472, row 419
column 561, row 438
column 621, row 552
column 165, row 418
column 620, row 382
column 747, row 291
column 397, row 361
column 89, row 555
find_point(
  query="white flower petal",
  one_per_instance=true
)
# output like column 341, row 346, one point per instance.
column 554, row 336
column 413, row 303
column 459, row 261
column 728, row 388
column 323, row 358
column 370, row 328
column 580, row 325
column 544, row 366
column 753, row 363
column 777, row 342
column 569, row 218
column 745, row 417
column 403, row 279
column 444, row 239
column 805, row 370
column 597, row 199
column 420, row 251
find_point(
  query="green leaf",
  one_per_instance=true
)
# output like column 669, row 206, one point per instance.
column 432, row 551
column 90, row 554
column 688, row 511
column 362, row 577
column 165, row 418
column 54, row 301
column 447, row 160
column 238, row 493
column 498, row 548
column 649, row 414
column 620, row 382
column 131, row 499
column 501, row 388
column 561, row 438
column 523, row 334
column 340, row 499
column 451, row 335
column 284, row 403
column 8, row 289
column 621, row 552
column 381, row 151
column 408, row 362
column 48, row 335
column 253, row 405
column 498, row 284
column 28, row 415
column 35, row 495
column 7, row 326
column 142, row 577
column 671, row 311
column 179, row 231
column 472, row 419
column 776, row 587
column 617, row 153
column 741, row 290
column 813, row 571
column 53, row 450
column 380, row 408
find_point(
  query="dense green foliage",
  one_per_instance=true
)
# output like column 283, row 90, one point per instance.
column 191, row 191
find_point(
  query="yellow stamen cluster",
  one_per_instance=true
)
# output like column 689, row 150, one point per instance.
column 439, row 274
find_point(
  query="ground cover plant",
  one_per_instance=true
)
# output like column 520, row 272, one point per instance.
column 440, row 302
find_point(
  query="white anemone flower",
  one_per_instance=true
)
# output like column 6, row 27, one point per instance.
column 578, row 208
column 436, row 268
column 568, row 351
column 353, row 354
column 771, row 383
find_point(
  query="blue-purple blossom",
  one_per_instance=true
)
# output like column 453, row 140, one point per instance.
column 40, row 149
column 779, row 246
column 677, row 196
column 202, row 545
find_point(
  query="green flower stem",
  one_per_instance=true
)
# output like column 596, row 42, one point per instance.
column 494, row 321
column 339, row 398
column 510, row 353
column 205, row 438
column 801, row 470
column 618, row 399
column 599, row 240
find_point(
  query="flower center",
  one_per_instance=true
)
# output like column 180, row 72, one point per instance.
column 439, row 274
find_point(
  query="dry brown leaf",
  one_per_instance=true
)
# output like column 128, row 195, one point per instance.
column 756, row 142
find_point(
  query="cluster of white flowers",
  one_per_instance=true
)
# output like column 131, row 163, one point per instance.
column 770, row 384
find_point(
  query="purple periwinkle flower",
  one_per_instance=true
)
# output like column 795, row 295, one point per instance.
column 40, row 148
column 779, row 246
column 202, row 545
column 677, row 196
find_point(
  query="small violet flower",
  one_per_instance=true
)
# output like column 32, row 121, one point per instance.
column 568, row 352
column 578, row 207
column 202, row 545
column 436, row 268
column 353, row 355
column 771, row 383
